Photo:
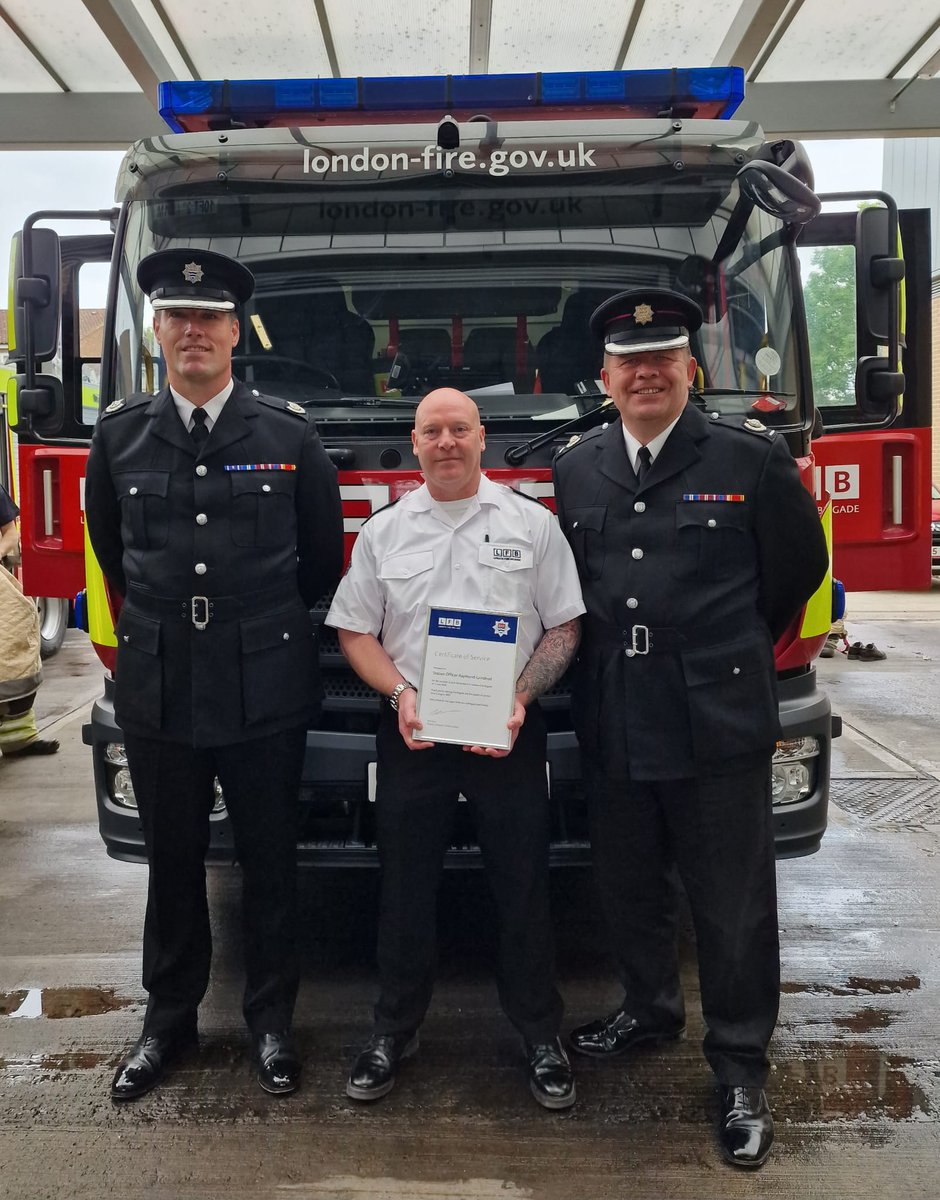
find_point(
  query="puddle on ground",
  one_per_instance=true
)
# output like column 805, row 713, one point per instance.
column 867, row 1020
column 846, row 1081
column 855, row 985
column 73, row 1060
column 59, row 1003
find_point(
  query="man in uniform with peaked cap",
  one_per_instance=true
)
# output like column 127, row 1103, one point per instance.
column 215, row 515
column 697, row 545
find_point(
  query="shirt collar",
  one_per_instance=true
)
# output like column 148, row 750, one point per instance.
column 487, row 493
column 212, row 408
column 654, row 446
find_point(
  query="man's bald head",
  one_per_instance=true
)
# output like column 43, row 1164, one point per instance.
column 449, row 440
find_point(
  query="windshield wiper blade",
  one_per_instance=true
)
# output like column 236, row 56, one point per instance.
column 772, row 392
column 516, row 455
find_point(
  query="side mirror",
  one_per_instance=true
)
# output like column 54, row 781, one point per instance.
column 36, row 273
column 878, row 385
column 878, row 271
column 778, row 192
column 28, row 405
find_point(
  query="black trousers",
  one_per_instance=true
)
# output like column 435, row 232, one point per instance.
column 717, row 834
column 173, row 783
column 416, row 802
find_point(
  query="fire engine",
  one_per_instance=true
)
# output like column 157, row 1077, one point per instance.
column 409, row 233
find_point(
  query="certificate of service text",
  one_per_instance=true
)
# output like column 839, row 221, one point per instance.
column 468, row 680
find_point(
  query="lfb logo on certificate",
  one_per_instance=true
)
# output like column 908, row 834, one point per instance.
column 468, row 677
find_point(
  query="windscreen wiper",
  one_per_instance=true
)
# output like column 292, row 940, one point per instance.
column 516, row 455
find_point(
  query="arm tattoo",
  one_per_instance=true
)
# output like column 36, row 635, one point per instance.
column 550, row 659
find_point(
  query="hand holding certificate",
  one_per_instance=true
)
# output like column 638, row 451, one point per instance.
column 468, row 678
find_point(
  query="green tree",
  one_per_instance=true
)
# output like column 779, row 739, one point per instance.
column 829, row 297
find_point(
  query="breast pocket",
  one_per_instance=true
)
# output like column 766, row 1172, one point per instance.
column 404, row 577
column 586, row 535
column 714, row 539
column 507, row 574
column 145, row 509
column 262, row 507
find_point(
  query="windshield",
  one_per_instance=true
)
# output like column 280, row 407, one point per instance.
column 366, row 299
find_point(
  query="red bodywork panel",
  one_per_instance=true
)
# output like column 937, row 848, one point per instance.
column 878, row 543
column 53, row 553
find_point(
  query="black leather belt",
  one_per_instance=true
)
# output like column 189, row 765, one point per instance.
column 203, row 609
column 646, row 639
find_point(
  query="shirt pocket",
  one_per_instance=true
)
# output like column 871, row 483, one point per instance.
column 586, row 535
column 404, row 578
column 145, row 509
column 714, row 539
column 507, row 574
column 262, row 507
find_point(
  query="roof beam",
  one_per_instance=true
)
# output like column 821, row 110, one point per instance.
column 750, row 31
column 861, row 108
column 133, row 42
column 919, row 45
column 846, row 108
column 628, row 33
column 481, row 23
column 28, row 45
column 327, row 34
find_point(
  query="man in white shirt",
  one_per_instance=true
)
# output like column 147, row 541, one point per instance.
column 441, row 545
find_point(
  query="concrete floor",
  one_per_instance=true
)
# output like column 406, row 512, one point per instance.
column 856, row 1080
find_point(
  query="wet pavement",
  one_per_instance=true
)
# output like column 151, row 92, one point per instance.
column 855, row 1086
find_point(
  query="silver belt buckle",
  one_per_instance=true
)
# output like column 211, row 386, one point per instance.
column 199, row 608
column 643, row 631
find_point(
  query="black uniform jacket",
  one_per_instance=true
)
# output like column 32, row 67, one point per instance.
column 709, row 584
column 169, row 522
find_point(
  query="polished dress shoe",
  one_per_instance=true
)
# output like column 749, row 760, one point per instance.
column 550, row 1079
column 745, row 1126
column 617, row 1033
column 143, row 1066
column 278, row 1063
column 373, row 1073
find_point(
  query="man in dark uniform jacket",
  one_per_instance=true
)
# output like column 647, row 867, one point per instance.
column 214, row 512
column 696, row 544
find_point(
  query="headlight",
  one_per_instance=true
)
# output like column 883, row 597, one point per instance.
column 114, row 753
column 794, row 769
column 123, row 790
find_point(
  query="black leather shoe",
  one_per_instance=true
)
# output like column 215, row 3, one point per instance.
column 745, row 1126
column 617, row 1033
column 278, row 1063
column 143, row 1066
column 550, row 1079
column 373, row 1073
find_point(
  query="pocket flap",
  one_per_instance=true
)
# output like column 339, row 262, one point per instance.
column 275, row 629
column 404, row 566
column 721, row 515
column 592, row 518
column 727, row 661
column 141, row 483
column 261, row 483
column 505, row 557
column 143, row 633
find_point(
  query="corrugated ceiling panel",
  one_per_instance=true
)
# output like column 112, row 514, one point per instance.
column 400, row 37
column 556, row 35
column 21, row 72
column 71, row 42
column 848, row 39
column 242, row 39
column 160, row 34
column 679, row 33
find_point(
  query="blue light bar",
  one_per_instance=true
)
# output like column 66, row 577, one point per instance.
column 710, row 92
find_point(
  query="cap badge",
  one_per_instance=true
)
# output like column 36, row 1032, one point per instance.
column 192, row 272
column 642, row 314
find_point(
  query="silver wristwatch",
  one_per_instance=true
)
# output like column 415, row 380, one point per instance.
column 396, row 693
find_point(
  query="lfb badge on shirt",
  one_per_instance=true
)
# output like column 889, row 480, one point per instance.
column 505, row 558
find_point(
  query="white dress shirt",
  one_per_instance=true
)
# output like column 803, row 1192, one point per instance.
column 212, row 408
column 654, row 447
column 412, row 554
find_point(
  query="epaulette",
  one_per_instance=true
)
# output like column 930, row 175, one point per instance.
column 384, row 508
column 290, row 406
column 582, row 439
column 127, row 403
column 526, row 496
column 738, row 421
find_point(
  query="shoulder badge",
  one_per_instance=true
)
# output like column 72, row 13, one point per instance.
column 754, row 425
column 294, row 407
column 115, row 406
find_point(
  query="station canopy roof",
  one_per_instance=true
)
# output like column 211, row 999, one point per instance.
column 84, row 73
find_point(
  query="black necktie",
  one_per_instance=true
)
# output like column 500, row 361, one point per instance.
column 644, row 460
column 199, row 431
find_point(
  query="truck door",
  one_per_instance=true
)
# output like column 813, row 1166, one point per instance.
column 875, row 468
